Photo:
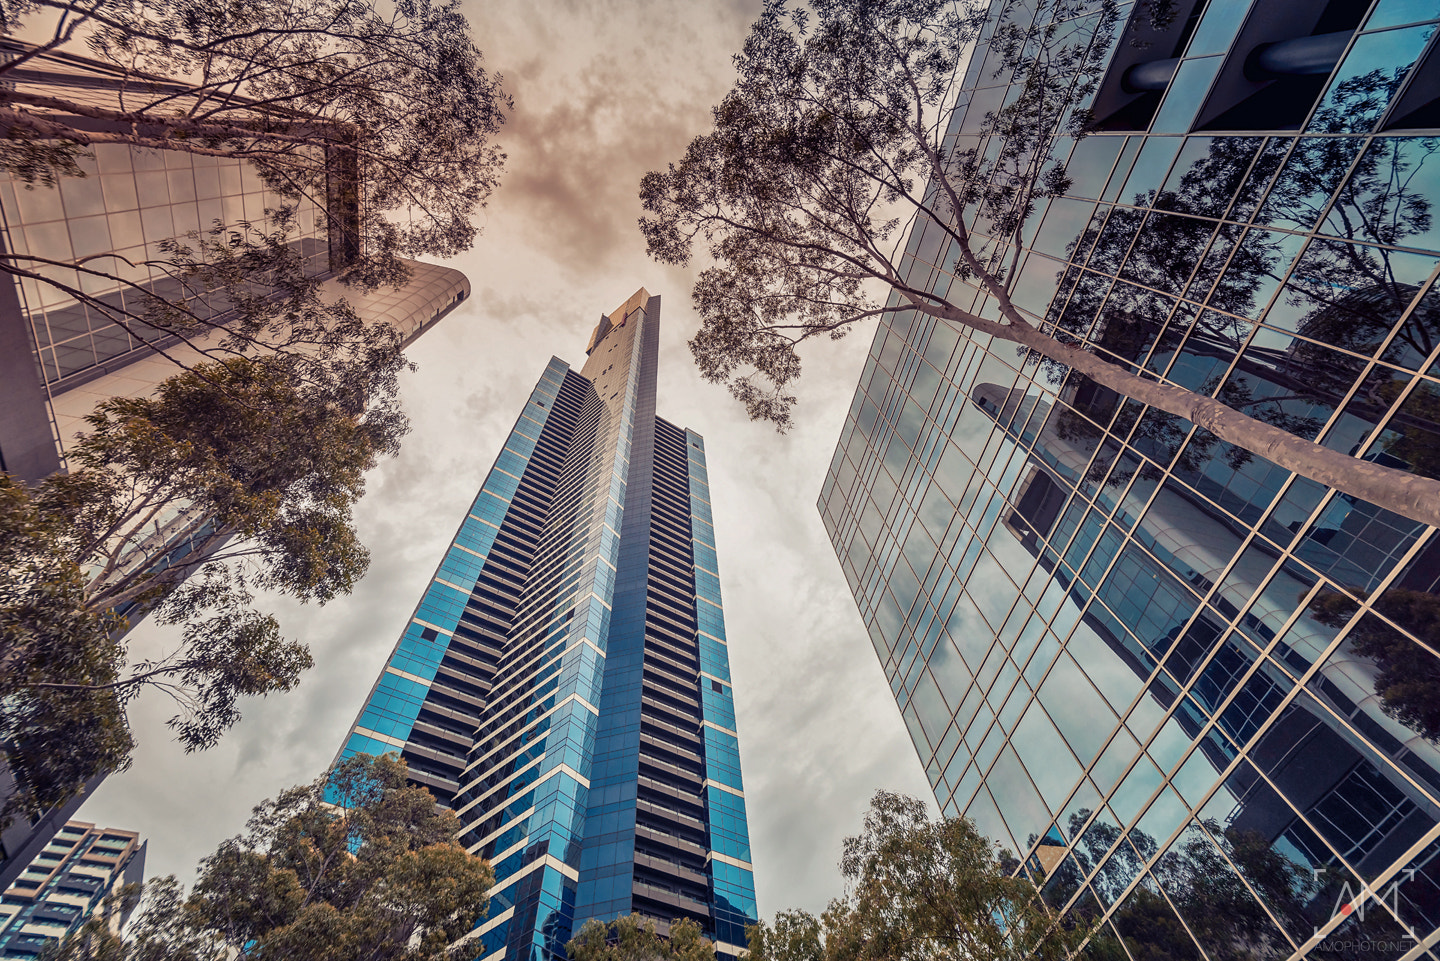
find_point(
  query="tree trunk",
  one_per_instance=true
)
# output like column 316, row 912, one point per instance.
column 1409, row 495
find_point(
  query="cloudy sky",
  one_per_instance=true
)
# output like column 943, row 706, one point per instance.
column 604, row 91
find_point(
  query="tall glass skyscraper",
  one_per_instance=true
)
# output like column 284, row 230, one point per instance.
column 564, row 682
column 1198, row 697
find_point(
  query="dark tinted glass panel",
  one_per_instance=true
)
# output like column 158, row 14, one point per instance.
column 1271, row 156
column 1090, row 164
column 1113, row 242
column 1167, row 251
column 1222, row 245
column 1356, row 543
column 1214, row 900
column 1351, row 295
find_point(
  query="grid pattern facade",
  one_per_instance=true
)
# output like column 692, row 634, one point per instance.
column 129, row 201
column 564, row 682
column 1192, row 693
column 65, row 884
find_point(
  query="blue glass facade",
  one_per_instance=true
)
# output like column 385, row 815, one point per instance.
column 407, row 691
column 1191, row 692
column 564, row 682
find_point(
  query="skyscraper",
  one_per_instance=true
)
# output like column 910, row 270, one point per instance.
column 1193, row 693
column 564, row 684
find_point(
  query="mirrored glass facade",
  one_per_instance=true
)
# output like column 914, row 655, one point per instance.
column 114, row 219
column 564, row 682
column 85, row 254
column 1196, row 696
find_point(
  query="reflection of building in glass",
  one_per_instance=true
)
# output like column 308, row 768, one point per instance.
column 60, row 356
column 564, row 683
column 1198, row 696
column 66, row 884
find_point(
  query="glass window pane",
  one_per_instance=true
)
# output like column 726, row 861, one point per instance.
column 1353, row 285
column 1167, row 252
column 1185, row 94
column 1388, row 198
column 1218, row 25
column 1045, row 754
column 1365, row 82
column 1311, row 175
column 1150, row 168
column 1394, row 13
column 1090, row 163
column 1080, row 713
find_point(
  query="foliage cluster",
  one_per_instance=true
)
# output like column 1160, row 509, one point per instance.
column 243, row 474
column 354, row 867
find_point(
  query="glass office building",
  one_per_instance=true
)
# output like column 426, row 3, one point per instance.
column 62, row 353
column 1195, row 695
column 68, row 334
column 564, row 683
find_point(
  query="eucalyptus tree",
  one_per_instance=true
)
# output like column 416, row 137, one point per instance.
column 233, row 477
column 836, row 136
column 355, row 866
column 243, row 469
column 922, row 890
column 632, row 937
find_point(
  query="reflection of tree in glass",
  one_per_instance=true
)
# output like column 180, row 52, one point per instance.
column 1202, row 885
column 1161, row 435
column 1413, row 434
column 1224, row 914
column 1151, row 930
column 1224, row 884
column 1408, row 682
column 1357, row 103
column 1354, row 293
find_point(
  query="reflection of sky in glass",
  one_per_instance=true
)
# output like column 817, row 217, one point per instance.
column 1090, row 163
column 1217, row 27
column 1394, row 13
column 1391, row 195
column 1306, row 182
column 1184, row 95
column 1372, row 71
column 1150, row 168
